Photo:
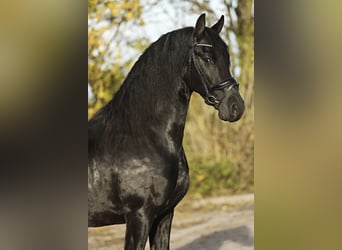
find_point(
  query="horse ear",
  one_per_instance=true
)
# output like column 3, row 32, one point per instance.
column 200, row 25
column 217, row 27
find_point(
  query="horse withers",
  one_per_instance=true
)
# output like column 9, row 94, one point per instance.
column 137, row 169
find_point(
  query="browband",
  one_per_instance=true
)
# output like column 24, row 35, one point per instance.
column 203, row 45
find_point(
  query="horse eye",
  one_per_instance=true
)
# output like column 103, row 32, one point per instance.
column 208, row 60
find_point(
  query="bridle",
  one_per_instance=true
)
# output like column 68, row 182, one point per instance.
column 225, row 85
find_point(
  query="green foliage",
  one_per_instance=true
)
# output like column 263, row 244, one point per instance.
column 210, row 177
column 215, row 177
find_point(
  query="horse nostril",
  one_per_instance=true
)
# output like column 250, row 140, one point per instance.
column 234, row 109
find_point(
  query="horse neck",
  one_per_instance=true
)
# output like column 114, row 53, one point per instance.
column 154, row 105
column 172, row 118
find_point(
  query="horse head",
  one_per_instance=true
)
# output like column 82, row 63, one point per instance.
column 209, row 71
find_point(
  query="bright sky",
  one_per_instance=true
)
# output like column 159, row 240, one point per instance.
column 158, row 21
column 165, row 17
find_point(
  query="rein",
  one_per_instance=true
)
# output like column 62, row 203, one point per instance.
column 225, row 85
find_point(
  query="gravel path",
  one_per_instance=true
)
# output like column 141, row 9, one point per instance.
column 221, row 223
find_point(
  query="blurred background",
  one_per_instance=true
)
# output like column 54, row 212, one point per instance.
column 43, row 124
column 220, row 154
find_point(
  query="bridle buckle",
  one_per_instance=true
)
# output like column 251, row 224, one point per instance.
column 211, row 100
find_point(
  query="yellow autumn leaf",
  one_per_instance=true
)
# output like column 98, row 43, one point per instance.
column 200, row 177
column 129, row 15
column 115, row 12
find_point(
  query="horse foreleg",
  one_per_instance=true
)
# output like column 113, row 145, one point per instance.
column 138, row 224
column 160, row 232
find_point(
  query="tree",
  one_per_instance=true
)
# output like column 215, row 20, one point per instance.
column 106, row 70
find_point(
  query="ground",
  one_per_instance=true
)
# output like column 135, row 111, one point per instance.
column 220, row 223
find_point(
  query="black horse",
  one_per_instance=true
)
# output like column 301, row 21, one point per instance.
column 137, row 169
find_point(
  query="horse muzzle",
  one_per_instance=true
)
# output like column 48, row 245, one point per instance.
column 231, row 108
